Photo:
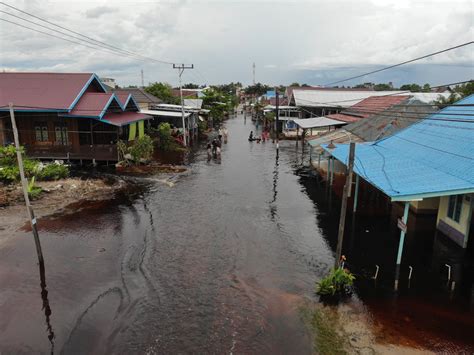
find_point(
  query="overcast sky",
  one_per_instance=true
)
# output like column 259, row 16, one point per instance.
column 314, row 42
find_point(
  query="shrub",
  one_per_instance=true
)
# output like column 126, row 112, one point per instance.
column 164, row 132
column 338, row 282
column 142, row 148
column 33, row 190
column 9, row 171
column 53, row 172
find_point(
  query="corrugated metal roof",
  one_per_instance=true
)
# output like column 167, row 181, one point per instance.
column 427, row 159
column 334, row 98
column 140, row 95
column 316, row 122
column 43, row 90
column 93, row 104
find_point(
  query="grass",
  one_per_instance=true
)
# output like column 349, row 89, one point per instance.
column 325, row 330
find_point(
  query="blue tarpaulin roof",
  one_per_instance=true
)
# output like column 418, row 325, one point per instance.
column 433, row 157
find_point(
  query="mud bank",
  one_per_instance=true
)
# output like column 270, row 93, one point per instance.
column 349, row 329
column 56, row 196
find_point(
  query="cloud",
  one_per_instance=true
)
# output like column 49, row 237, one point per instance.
column 99, row 11
column 306, row 41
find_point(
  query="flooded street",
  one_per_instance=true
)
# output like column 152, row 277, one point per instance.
column 215, row 260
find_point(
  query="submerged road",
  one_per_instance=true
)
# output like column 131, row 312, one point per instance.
column 217, row 262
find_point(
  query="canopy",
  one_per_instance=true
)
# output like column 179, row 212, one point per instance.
column 316, row 122
column 162, row 113
column 124, row 118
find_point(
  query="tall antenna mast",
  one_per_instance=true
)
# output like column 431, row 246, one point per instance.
column 143, row 79
column 253, row 73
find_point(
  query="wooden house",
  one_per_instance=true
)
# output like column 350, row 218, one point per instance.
column 67, row 115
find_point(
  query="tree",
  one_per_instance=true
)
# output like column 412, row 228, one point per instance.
column 163, row 91
column 458, row 92
column 257, row 89
column 295, row 84
column 383, row 87
column 411, row 87
column 190, row 86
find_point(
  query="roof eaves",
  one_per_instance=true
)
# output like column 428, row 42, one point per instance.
column 83, row 90
column 104, row 110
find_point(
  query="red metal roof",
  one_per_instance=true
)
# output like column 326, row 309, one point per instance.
column 368, row 107
column 42, row 90
column 124, row 118
column 92, row 104
column 122, row 97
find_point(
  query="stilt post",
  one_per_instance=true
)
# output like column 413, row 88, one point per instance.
column 400, row 245
column 356, row 193
column 342, row 219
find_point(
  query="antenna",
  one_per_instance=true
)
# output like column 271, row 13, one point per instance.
column 253, row 72
column 143, row 80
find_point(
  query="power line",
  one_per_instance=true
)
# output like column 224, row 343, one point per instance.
column 52, row 29
column 64, row 39
column 398, row 93
column 87, row 37
column 402, row 63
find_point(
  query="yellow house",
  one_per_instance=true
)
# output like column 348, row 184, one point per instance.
column 454, row 217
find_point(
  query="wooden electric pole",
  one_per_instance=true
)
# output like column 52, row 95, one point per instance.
column 24, row 185
column 277, row 101
column 345, row 195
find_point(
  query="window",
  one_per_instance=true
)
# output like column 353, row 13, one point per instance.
column 455, row 207
column 41, row 131
column 61, row 134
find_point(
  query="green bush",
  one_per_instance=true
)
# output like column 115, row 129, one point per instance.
column 9, row 171
column 164, row 132
column 142, row 148
column 338, row 282
column 33, row 190
column 53, row 172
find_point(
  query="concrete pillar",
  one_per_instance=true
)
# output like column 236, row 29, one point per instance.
column 400, row 245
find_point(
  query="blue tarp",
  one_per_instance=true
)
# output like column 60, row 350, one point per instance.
column 434, row 157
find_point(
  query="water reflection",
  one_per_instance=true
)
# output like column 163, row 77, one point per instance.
column 46, row 306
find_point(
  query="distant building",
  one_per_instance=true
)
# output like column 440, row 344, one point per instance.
column 144, row 99
column 109, row 83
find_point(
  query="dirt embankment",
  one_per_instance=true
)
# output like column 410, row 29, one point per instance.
column 56, row 196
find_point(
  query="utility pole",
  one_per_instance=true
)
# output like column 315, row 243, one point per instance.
column 345, row 195
column 143, row 79
column 24, row 185
column 181, row 68
column 277, row 116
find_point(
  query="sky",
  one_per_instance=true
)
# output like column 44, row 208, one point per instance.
column 313, row 42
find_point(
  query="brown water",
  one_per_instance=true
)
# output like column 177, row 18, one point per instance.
column 217, row 263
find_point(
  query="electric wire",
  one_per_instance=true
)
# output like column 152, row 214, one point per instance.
column 87, row 37
column 400, row 64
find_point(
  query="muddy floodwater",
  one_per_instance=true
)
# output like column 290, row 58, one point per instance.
column 219, row 259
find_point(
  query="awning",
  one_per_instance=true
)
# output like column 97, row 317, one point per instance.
column 316, row 122
column 124, row 118
column 162, row 113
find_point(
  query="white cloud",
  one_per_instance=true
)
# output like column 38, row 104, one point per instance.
column 100, row 11
column 223, row 39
